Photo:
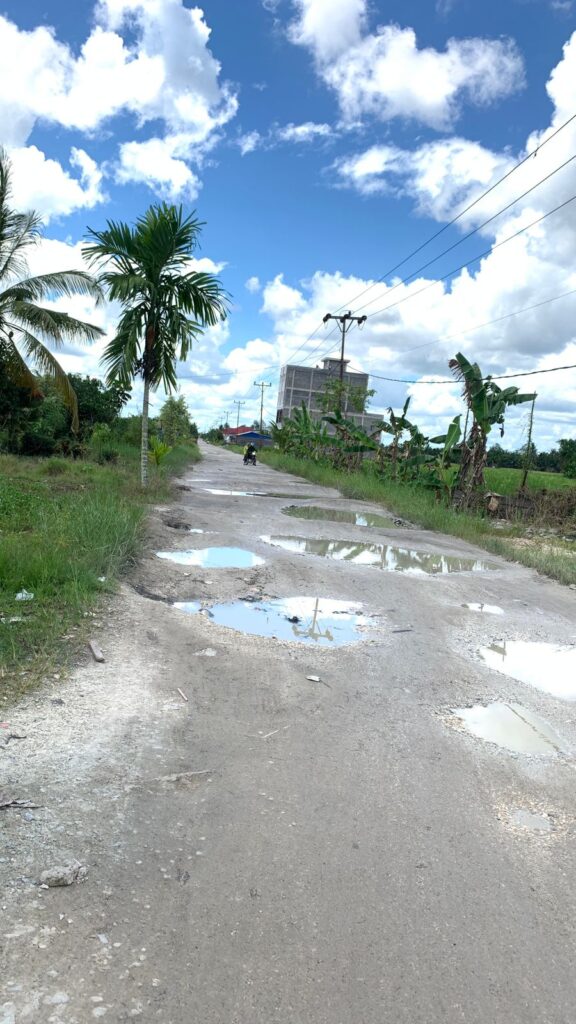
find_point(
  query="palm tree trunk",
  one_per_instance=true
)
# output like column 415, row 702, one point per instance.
column 144, row 445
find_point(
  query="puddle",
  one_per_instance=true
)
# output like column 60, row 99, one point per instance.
column 522, row 818
column 214, row 558
column 311, row 620
column 383, row 556
column 260, row 494
column 479, row 606
column 548, row 667
column 511, row 726
column 336, row 515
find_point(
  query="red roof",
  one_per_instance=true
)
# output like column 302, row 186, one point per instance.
column 236, row 430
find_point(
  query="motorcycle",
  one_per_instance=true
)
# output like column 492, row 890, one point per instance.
column 250, row 459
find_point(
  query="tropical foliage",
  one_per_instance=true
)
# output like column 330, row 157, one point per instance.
column 27, row 326
column 165, row 303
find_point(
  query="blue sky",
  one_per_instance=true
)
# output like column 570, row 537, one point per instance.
column 321, row 141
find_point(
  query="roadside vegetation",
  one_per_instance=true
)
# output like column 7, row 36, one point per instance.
column 444, row 483
column 76, row 475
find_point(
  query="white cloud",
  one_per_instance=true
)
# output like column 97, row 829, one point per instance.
column 146, row 58
column 249, row 142
column 152, row 163
column 305, row 132
column 385, row 74
column 43, row 185
column 205, row 265
column 280, row 299
column 253, row 284
column 328, row 27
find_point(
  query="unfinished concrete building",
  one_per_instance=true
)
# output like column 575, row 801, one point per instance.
column 307, row 383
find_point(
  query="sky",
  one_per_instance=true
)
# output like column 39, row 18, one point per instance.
column 321, row 142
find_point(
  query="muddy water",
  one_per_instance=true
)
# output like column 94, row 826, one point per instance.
column 487, row 609
column 214, row 558
column 309, row 620
column 383, row 556
column 259, row 494
column 512, row 727
column 548, row 667
column 337, row 515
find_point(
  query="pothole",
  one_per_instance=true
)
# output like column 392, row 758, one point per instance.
column 382, row 556
column 312, row 620
column 530, row 821
column 259, row 494
column 337, row 515
column 487, row 609
column 512, row 727
column 548, row 667
column 214, row 558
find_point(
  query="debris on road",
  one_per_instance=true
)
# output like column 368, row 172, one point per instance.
column 183, row 695
column 24, row 595
column 96, row 651
column 8, row 801
column 313, row 679
column 64, row 874
column 206, row 652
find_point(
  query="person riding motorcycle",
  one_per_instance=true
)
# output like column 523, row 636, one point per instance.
column 249, row 453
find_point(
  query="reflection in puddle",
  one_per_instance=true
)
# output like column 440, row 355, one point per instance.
column 302, row 619
column 383, row 556
column 479, row 606
column 511, row 726
column 214, row 558
column 259, row 494
column 336, row 515
column 548, row 667
column 530, row 820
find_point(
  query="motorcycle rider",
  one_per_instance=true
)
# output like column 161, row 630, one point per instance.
column 249, row 453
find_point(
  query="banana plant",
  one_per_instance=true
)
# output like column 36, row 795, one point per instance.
column 440, row 472
column 488, row 404
column 397, row 425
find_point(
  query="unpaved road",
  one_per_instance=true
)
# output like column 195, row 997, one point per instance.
column 349, row 856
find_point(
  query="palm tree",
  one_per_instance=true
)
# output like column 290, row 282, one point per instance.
column 165, row 304
column 25, row 326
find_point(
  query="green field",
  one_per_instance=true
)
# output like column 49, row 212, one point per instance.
column 67, row 531
column 507, row 481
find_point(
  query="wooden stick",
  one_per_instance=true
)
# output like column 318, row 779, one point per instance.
column 183, row 695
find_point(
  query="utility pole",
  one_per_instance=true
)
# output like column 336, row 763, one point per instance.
column 261, row 384
column 239, row 404
column 345, row 320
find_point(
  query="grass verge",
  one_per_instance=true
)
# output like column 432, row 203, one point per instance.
column 549, row 555
column 67, row 531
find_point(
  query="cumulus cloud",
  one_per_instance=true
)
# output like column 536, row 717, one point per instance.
column 385, row 74
column 305, row 132
column 146, row 58
column 42, row 184
column 253, row 284
column 308, row 131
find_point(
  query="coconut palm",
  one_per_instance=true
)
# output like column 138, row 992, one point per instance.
column 26, row 326
column 165, row 304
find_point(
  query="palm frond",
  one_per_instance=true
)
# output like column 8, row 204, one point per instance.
column 14, row 366
column 58, row 327
column 49, row 366
column 62, row 283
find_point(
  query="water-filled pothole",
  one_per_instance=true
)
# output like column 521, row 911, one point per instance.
column 214, row 558
column 312, row 620
column 548, row 667
column 383, row 556
column 530, row 820
column 479, row 606
column 338, row 515
column 259, row 494
column 511, row 726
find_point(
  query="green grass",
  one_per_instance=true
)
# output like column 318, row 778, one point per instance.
column 507, row 481
column 63, row 525
column 551, row 556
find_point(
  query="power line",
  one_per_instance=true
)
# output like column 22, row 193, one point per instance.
column 502, row 376
column 465, row 238
column 474, row 259
column 457, row 217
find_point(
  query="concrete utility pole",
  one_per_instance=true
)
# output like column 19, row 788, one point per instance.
column 345, row 320
column 239, row 404
column 261, row 384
